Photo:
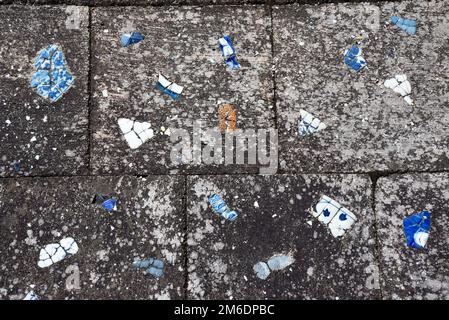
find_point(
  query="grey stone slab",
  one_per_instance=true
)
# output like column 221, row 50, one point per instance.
column 148, row 223
column 369, row 127
column 409, row 273
column 60, row 129
column 221, row 254
column 181, row 42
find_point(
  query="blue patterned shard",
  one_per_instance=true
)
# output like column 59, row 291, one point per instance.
column 407, row 25
column 152, row 266
column 168, row 87
column 108, row 203
column 220, row 207
column 416, row 229
column 354, row 59
column 52, row 77
column 128, row 39
column 228, row 52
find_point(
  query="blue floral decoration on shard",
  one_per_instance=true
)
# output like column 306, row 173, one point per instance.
column 128, row 39
column 52, row 77
column 354, row 59
column 416, row 229
column 407, row 25
column 220, row 207
column 228, row 52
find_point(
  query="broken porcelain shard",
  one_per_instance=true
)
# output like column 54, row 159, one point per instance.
column 275, row 263
column 107, row 202
column 228, row 52
column 152, row 266
column 416, row 229
column 220, row 207
column 52, row 77
column 170, row 88
column 308, row 124
column 408, row 25
column 56, row 252
column 335, row 216
column 279, row 262
column 400, row 85
column 31, row 296
column 261, row 269
column 353, row 58
column 128, row 39
column 136, row 133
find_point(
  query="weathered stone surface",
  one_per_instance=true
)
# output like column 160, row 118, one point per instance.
column 369, row 126
column 221, row 254
column 45, row 138
column 182, row 44
column 148, row 223
column 409, row 273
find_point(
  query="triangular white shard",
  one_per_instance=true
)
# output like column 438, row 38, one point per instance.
column 135, row 133
column 56, row 252
column 308, row 124
column 125, row 125
column 335, row 216
column 31, row 296
column 173, row 87
column 400, row 85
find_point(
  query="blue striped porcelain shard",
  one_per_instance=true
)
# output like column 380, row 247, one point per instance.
column 353, row 58
column 128, row 39
column 407, row 25
column 228, row 52
column 337, row 218
column 52, row 77
column 220, row 207
column 168, row 87
column 416, row 229
column 152, row 266
column 308, row 124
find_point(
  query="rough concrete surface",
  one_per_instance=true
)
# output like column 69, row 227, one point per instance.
column 369, row 127
column 182, row 44
column 148, row 223
column 273, row 219
column 54, row 157
column 414, row 273
column 44, row 138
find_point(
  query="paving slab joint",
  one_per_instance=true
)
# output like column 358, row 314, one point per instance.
column 184, row 242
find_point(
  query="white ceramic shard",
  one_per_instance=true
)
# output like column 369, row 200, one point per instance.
column 308, row 124
column 400, row 85
column 342, row 221
column 334, row 215
column 173, row 87
column 135, row 133
column 31, row 296
column 279, row 262
column 56, row 252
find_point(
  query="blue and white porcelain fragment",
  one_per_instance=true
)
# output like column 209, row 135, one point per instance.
column 168, row 87
column 128, row 39
column 152, row 266
column 353, row 58
column 275, row 263
column 52, row 77
column 308, row 124
column 228, row 52
column 220, row 207
column 408, row 25
column 416, row 229
column 337, row 218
